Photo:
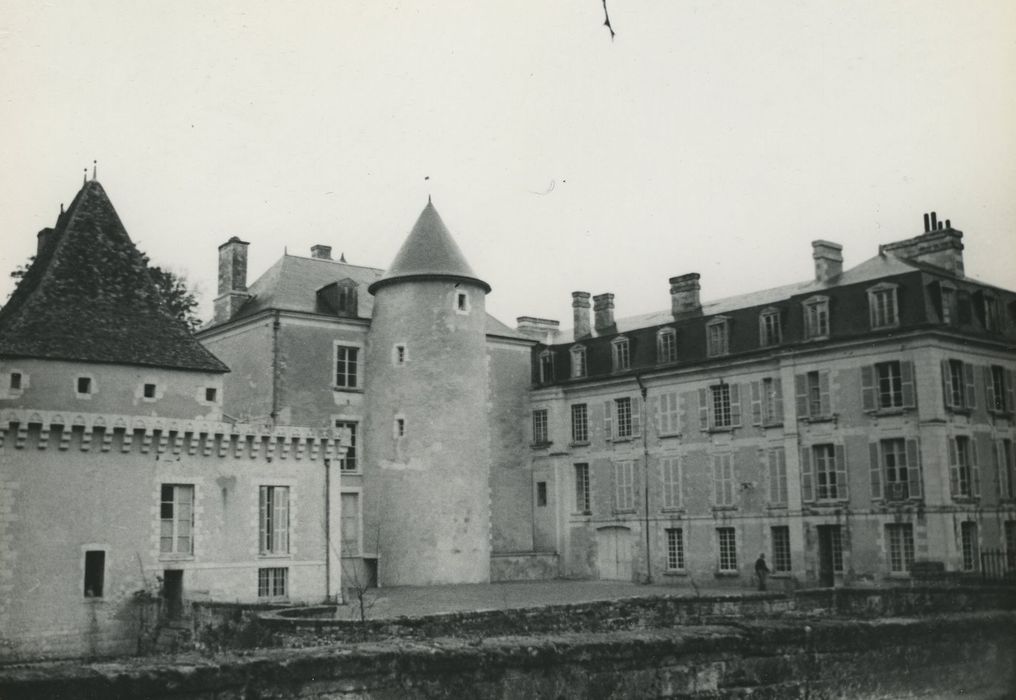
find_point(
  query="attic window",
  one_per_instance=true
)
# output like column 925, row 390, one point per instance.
column 399, row 354
column 149, row 391
column 211, row 394
column 16, row 381
column 84, row 385
column 339, row 298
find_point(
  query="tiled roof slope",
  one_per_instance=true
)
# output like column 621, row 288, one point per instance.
column 429, row 251
column 88, row 297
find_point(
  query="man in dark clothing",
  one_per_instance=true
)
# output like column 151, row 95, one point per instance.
column 762, row 571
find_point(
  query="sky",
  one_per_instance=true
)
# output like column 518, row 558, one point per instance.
column 710, row 136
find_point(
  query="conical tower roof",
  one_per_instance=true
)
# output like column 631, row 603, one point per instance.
column 89, row 296
column 429, row 252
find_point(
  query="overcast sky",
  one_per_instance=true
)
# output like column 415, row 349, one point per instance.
column 710, row 136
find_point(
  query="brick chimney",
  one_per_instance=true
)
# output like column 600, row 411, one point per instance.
column 542, row 329
column 828, row 260
column 44, row 235
column 940, row 245
column 580, row 310
column 321, row 252
column 684, row 294
column 232, row 279
column 603, row 311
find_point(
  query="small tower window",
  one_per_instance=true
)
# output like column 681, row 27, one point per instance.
column 16, row 381
column 84, row 386
column 399, row 354
column 149, row 391
column 400, row 427
column 461, row 302
column 211, row 394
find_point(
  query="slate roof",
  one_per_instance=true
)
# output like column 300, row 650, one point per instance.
column 429, row 251
column 88, row 297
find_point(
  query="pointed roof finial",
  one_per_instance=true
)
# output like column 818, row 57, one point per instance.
column 342, row 257
column 428, row 199
column 61, row 208
column 95, row 169
column 84, row 178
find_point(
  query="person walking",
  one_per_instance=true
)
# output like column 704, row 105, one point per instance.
column 762, row 571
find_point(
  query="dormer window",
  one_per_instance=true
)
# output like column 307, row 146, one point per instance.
column 991, row 315
column 666, row 345
column 947, row 297
column 620, row 353
column 339, row 298
column 816, row 318
column 546, row 367
column 578, row 361
column 769, row 331
column 718, row 336
column 882, row 306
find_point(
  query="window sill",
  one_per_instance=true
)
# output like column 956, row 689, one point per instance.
column 773, row 424
column 717, row 509
column 274, row 555
column 727, row 574
column 777, row 506
column 676, row 573
column 93, row 600
column 665, row 436
column 813, row 338
column 890, row 411
column 818, row 419
column 350, row 389
column 886, row 326
column 1000, row 413
column 579, row 443
column 781, row 574
column 582, row 514
column 672, row 510
column 623, row 511
column 959, row 410
column 721, row 429
column 540, row 445
column 966, row 499
column 622, row 439
column 350, row 472
column 165, row 556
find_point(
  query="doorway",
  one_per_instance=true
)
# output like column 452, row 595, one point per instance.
column 830, row 554
column 614, row 553
column 172, row 592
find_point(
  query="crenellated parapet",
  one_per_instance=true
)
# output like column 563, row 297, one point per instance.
column 150, row 434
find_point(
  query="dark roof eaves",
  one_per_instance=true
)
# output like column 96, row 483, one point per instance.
column 423, row 276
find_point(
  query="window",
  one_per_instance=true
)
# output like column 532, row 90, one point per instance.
column 15, row 381
column 813, row 397
column 666, row 345
column 176, row 514
column 399, row 354
column 728, row 548
column 718, row 337
column 541, row 493
column 672, row 496
column 273, row 516
column 211, row 394
column 85, row 386
column 668, row 415
column 998, row 383
column 723, row 481
column 620, row 354
column 1004, row 462
column 546, row 367
column 579, row 423
column 969, row 545
column 777, row 460
column 273, row 582
column 950, row 312
column 769, row 331
column 896, row 464
column 767, row 401
column 352, row 543
column 887, row 386
column 346, row 367
column 991, row 315
column 578, row 361
column 149, row 391
column 781, row 549
column 1010, row 544
column 400, row 427
column 958, row 385
column 675, row 549
column 964, row 477
column 720, row 407
column 540, row 436
column 900, row 538
column 349, row 463
column 823, row 473
column 882, row 309
column 628, row 414
column 346, row 297
column 95, row 573
column 624, row 485
column 582, row 496
column 816, row 318
column 461, row 303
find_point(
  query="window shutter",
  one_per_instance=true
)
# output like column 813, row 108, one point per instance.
column 996, row 446
column 868, row 387
column 263, row 518
column 975, row 469
column 1009, row 404
column 778, row 402
column 636, row 416
column 807, row 476
column 781, row 462
column 756, row 404
column 946, row 393
column 717, row 480
column 954, row 467
column 823, row 387
column 989, row 388
column 801, row 389
column 768, row 460
column 876, row 472
column 703, row 408
column 608, row 429
column 968, row 378
column 842, row 489
column 728, row 480
column 654, row 408
column 907, row 382
column 735, row 404
column 281, row 520
column 914, row 468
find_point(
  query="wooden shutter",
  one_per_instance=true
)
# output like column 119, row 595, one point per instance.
column 280, row 520
column 868, row 388
column 996, row 451
column 842, row 489
column 1010, row 406
column 946, row 385
column 654, row 408
column 718, row 480
column 975, row 469
column 703, row 408
column 876, row 472
column 636, row 416
column 968, row 379
column 735, row 404
column 807, row 476
column 263, row 518
column 907, row 375
column 914, row 476
column 756, row 404
column 778, row 401
column 954, row 466
column 823, row 388
column 728, row 479
column 801, row 390
column 989, row 388
column 608, row 429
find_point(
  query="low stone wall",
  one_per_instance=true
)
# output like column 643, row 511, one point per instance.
column 966, row 655
column 523, row 566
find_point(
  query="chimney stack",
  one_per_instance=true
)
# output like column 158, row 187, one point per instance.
column 684, row 294
column 232, row 279
column 828, row 259
column 580, row 311
column 542, row 329
column 44, row 235
column 940, row 245
column 603, row 311
column 321, row 252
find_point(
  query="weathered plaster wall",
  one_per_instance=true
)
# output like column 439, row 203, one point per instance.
column 247, row 350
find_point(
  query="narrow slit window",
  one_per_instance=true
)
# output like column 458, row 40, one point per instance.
column 95, row 573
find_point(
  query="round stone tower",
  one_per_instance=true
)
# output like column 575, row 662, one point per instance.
column 427, row 446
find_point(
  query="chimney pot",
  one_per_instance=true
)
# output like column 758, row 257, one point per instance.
column 43, row 238
column 580, row 310
column 684, row 293
column 603, row 311
column 934, row 221
column 927, row 222
column 828, row 259
column 321, row 252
